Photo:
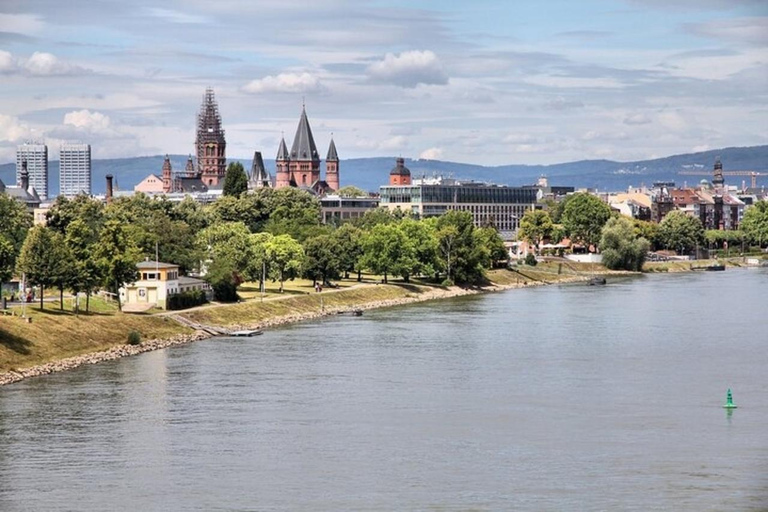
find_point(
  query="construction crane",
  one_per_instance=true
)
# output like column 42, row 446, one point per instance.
column 752, row 174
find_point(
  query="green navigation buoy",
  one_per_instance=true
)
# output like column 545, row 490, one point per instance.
column 729, row 401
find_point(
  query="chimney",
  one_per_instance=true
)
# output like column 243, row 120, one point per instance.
column 24, row 176
column 109, row 188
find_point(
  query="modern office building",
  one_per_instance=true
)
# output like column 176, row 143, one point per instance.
column 336, row 210
column 496, row 205
column 75, row 169
column 36, row 156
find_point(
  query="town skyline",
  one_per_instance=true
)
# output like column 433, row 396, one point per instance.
column 629, row 80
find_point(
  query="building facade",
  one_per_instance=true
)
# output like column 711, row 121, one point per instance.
column 157, row 282
column 36, row 158
column 75, row 169
column 336, row 210
column 211, row 144
column 495, row 205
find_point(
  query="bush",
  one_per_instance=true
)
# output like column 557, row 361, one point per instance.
column 188, row 299
column 447, row 282
column 530, row 260
column 134, row 338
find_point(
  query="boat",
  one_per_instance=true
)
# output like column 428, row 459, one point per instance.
column 246, row 334
column 715, row 268
column 596, row 281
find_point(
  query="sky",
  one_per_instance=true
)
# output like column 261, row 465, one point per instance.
column 487, row 82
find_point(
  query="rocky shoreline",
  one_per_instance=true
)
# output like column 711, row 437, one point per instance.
column 157, row 344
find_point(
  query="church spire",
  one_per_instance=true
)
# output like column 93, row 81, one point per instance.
column 332, row 154
column 282, row 151
column 304, row 147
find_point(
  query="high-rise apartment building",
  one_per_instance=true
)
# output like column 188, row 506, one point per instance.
column 75, row 169
column 36, row 156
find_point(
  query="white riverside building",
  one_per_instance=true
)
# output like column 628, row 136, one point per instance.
column 75, row 169
column 36, row 156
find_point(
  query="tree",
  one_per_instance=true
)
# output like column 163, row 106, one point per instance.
column 7, row 259
column 15, row 222
column 584, row 216
column 489, row 240
column 420, row 254
column 293, row 212
column 535, row 226
column 462, row 255
column 347, row 241
column 352, row 191
column 755, row 222
column 620, row 247
column 85, row 274
column 235, row 180
column 116, row 255
column 322, row 259
column 680, row 232
column 374, row 217
column 258, row 263
column 648, row 230
column 285, row 256
column 193, row 213
column 224, row 279
column 230, row 241
column 65, row 211
column 383, row 249
column 41, row 259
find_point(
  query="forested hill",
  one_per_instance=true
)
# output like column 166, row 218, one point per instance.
column 370, row 173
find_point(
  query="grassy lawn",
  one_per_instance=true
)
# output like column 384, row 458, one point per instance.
column 54, row 334
column 684, row 266
column 255, row 311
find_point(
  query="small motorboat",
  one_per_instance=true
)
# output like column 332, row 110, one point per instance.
column 715, row 268
column 596, row 281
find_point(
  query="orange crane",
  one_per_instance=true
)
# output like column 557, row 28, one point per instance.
column 752, row 174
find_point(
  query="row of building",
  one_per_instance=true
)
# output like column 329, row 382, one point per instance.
column 74, row 168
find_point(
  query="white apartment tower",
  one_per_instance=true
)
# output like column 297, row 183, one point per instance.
column 36, row 156
column 75, row 169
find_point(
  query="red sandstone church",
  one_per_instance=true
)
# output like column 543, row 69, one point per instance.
column 300, row 168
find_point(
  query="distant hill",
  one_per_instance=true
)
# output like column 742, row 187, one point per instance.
column 370, row 173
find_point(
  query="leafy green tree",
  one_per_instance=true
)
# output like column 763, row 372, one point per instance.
column 347, row 241
column 116, row 255
column 352, row 191
column 462, row 256
column 15, row 222
column 7, row 259
column 192, row 213
column 535, row 226
column 84, row 275
column 322, row 259
column 41, row 259
column 285, row 256
column 375, row 217
column 224, row 279
column 384, row 248
column 258, row 263
column 755, row 223
column 680, row 232
column 648, row 230
column 620, row 246
column 584, row 216
column 489, row 240
column 235, row 180
column 65, row 211
column 294, row 212
column 420, row 255
column 230, row 241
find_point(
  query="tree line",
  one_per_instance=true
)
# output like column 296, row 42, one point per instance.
column 266, row 234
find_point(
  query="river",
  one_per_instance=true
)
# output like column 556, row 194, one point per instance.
column 551, row 398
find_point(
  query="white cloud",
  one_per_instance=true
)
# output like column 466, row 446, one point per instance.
column 12, row 130
column 285, row 83
column 95, row 122
column 47, row 64
column 748, row 30
column 7, row 62
column 175, row 16
column 639, row 118
column 409, row 69
column 431, row 154
column 25, row 24
column 392, row 143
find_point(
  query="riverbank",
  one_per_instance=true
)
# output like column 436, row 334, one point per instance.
column 56, row 341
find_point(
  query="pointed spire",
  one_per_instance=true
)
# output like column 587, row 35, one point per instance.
column 304, row 147
column 167, row 163
column 282, row 152
column 333, row 156
column 190, row 168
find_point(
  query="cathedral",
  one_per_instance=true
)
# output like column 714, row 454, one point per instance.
column 301, row 167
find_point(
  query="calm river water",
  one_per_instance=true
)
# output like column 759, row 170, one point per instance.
column 555, row 398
